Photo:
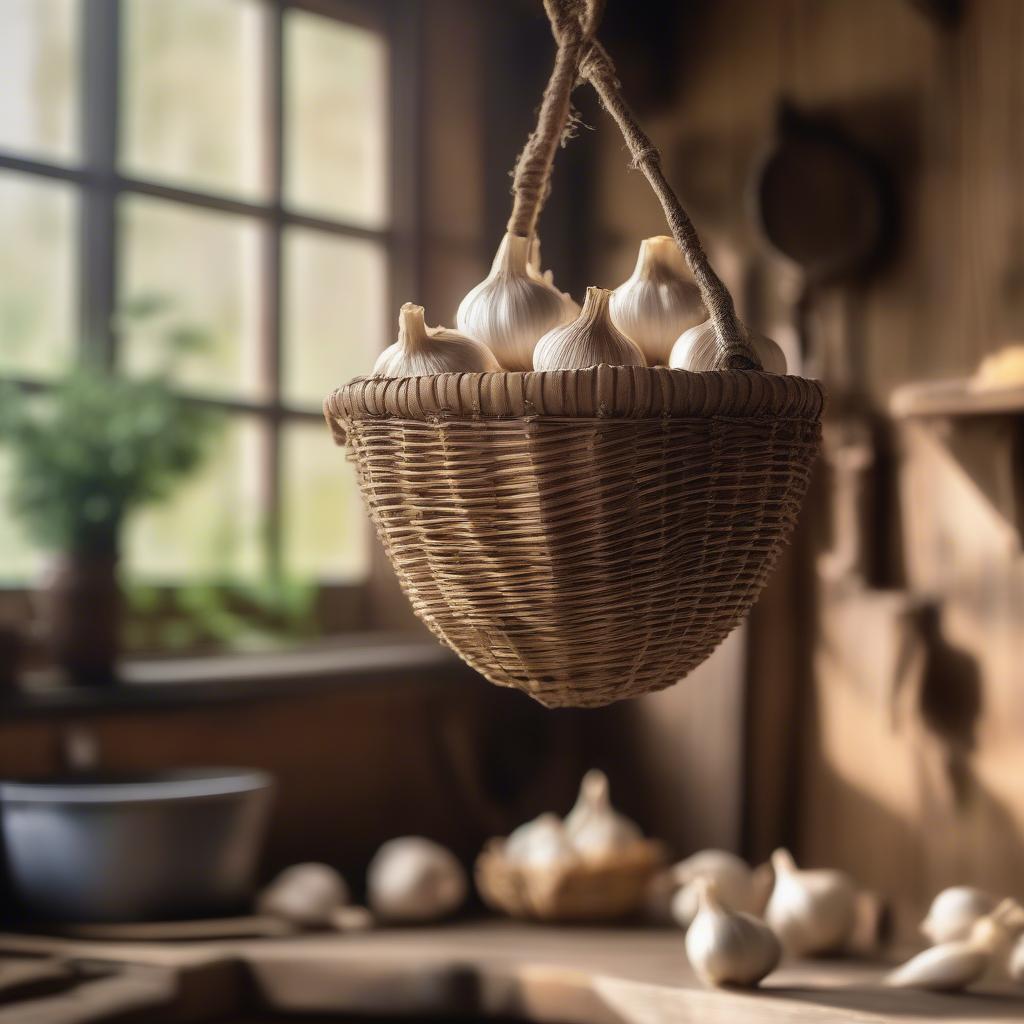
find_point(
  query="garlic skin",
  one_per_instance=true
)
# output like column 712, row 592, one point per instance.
column 811, row 912
column 421, row 350
column 954, row 911
column 659, row 301
column 697, row 351
column 590, row 340
column 542, row 842
column 307, row 895
column 572, row 307
column 595, row 829
column 728, row 948
column 511, row 308
column 414, row 879
column 733, row 878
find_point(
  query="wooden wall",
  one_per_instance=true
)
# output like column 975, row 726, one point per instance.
column 885, row 709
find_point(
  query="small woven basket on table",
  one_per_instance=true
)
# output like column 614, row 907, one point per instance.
column 585, row 535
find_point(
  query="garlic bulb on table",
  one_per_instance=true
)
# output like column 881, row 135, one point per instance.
column 511, row 308
column 659, row 301
column 952, row 966
column 810, row 911
column 728, row 948
column 595, row 829
column 415, row 879
column 590, row 340
column 954, row 911
column 734, row 884
column 422, row 350
column 309, row 895
column 697, row 350
column 542, row 842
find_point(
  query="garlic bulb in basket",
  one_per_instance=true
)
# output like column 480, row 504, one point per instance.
column 728, row 948
column 415, row 879
column 305, row 894
column 734, row 884
column 595, row 829
column 572, row 307
column 591, row 339
column 954, row 911
column 422, row 350
column 810, row 911
column 542, row 842
column 511, row 308
column 659, row 301
column 697, row 350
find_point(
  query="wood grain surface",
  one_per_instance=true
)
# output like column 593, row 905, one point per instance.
column 488, row 970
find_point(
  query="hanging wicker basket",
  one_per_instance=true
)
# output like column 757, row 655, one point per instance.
column 585, row 535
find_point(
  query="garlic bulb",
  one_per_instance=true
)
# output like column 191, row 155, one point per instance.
column 595, row 829
column 572, row 307
column 542, row 842
column 948, row 967
column 728, row 948
column 734, row 884
column 414, row 879
column 951, row 966
column 308, row 895
column 511, row 308
column 659, row 301
column 810, row 911
column 954, row 911
column 591, row 339
column 422, row 350
column 697, row 350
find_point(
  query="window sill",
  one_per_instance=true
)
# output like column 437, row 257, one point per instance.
column 378, row 660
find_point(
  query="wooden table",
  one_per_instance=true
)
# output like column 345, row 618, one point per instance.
column 481, row 970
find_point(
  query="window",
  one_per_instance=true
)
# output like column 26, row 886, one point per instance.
column 230, row 159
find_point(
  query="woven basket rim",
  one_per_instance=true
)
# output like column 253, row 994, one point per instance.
column 600, row 392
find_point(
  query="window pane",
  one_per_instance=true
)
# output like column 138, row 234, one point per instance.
column 192, row 93
column 37, row 275
column 336, row 123
column 20, row 561
column 325, row 527
column 38, row 72
column 203, row 267
column 211, row 528
column 334, row 312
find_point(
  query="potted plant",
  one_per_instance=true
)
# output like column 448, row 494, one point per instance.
column 86, row 454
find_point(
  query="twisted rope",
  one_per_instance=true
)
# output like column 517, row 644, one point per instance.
column 573, row 23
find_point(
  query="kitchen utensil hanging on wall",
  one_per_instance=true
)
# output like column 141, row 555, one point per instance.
column 592, row 534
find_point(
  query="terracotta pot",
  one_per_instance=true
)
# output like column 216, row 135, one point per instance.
column 81, row 616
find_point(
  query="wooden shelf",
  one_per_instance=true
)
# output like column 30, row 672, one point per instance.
column 955, row 398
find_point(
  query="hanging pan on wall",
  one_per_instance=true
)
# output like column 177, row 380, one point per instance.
column 585, row 535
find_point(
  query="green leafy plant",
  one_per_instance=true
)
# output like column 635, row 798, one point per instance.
column 92, row 449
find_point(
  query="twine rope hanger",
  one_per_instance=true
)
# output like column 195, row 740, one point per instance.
column 581, row 56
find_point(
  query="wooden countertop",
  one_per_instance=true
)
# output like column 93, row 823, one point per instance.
column 533, row 973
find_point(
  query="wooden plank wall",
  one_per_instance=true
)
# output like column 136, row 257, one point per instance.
column 884, row 719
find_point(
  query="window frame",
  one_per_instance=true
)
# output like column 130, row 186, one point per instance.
column 100, row 184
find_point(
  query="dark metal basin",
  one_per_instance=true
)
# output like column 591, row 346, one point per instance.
column 174, row 845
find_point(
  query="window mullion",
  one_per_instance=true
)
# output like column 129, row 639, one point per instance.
column 100, row 65
column 272, row 282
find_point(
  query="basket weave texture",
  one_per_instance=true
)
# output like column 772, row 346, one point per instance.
column 582, row 535
column 578, row 891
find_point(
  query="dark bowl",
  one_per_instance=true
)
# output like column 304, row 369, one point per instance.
column 174, row 845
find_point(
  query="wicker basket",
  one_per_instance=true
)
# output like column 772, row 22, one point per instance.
column 605, row 891
column 586, row 535
column 583, row 535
